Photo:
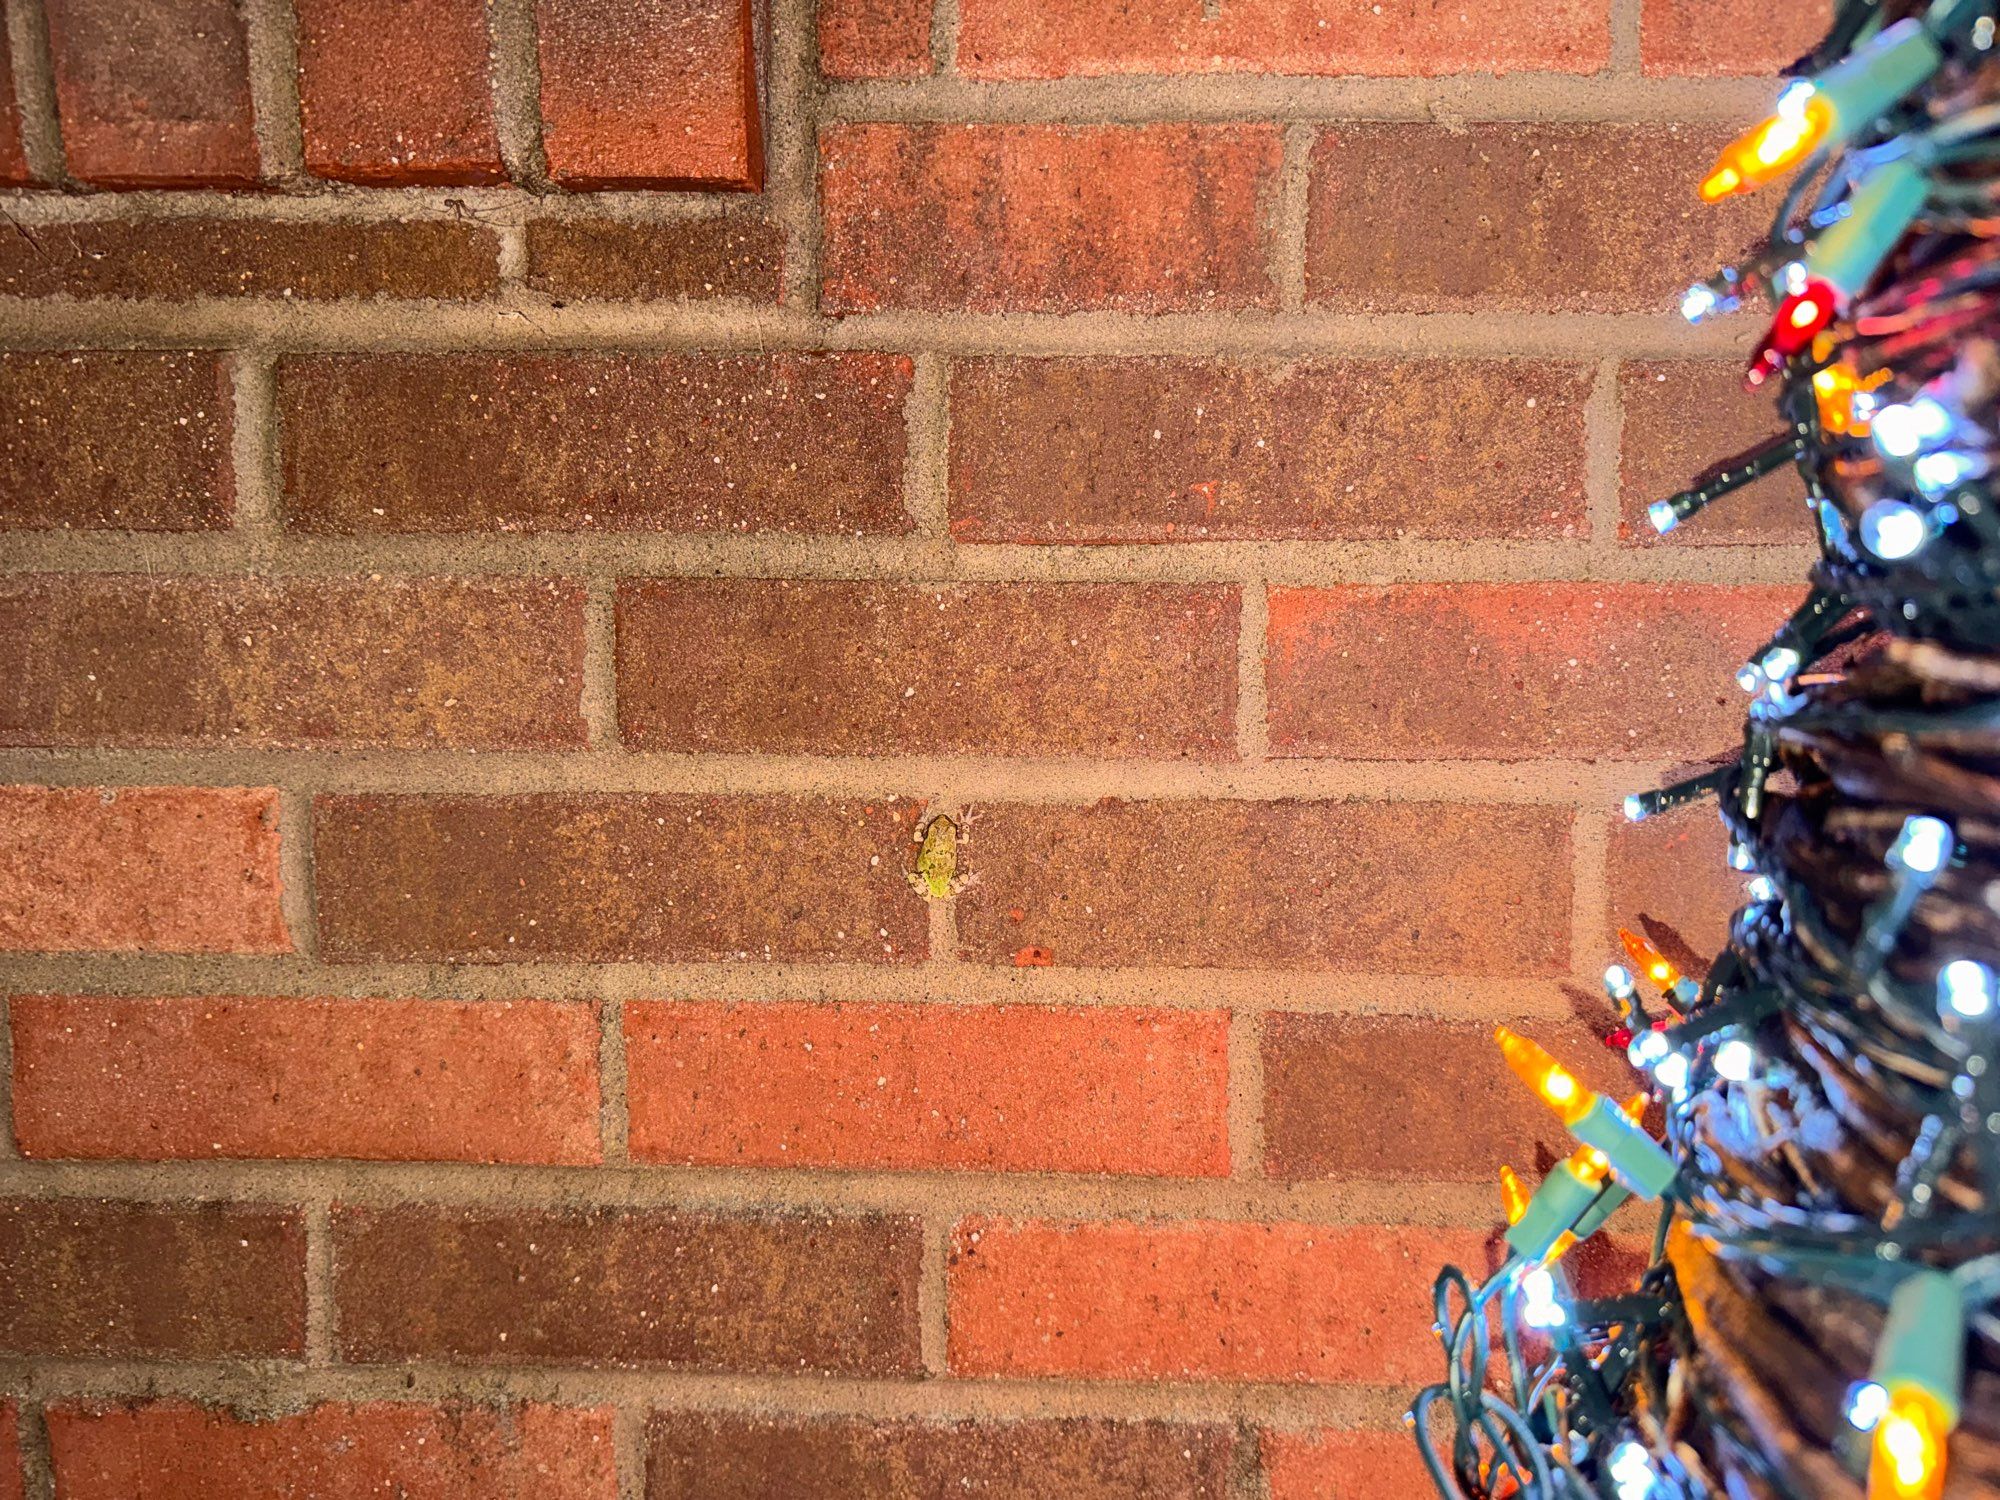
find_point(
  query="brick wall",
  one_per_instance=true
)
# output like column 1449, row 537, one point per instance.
column 478, row 654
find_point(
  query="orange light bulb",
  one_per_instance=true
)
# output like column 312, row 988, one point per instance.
column 1649, row 959
column 1908, row 1459
column 1553, row 1084
column 1769, row 147
column 1513, row 1194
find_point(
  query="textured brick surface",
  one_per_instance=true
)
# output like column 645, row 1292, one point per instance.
column 604, row 877
column 386, row 1080
column 129, row 441
column 153, row 93
column 662, row 93
column 1512, row 671
column 681, row 260
column 124, row 659
column 13, row 173
column 1008, row 1088
column 1342, row 1465
column 1006, row 669
column 718, row 1456
column 177, row 259
column 1042, row 218
column 396, row 93
column 12, row 1486
column 471, row 442
column 1271, row 885
column 1067, row 38
column 93, row 1278
column 1386, row 1096
column 1196, row 1300
column 804, row 1293
column 152, row 869
column 1516, row 217
column 875, row 38
column 1728, row 36
column 101, row 1451
column 1674, row 869
column 1152, row 450
column 1681, row 417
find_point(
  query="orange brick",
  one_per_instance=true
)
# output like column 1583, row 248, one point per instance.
column 1193, row 1300
column 154, row 869
column 526, row 1451
column 1047, row 218
column 1008, row 1088
column 1681, row 417
column 1711, row 37
column 1343, row 1465
column 13, row 173
column 1674, row 870
column 377, row 1080
column 1071, row 38
column 875, row 38
column 843, row 668
column 1512, row 671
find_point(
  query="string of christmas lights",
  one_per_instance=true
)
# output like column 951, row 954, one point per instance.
column 1821, row 1314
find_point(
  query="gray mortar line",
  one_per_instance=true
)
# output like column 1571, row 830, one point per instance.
column 598, row 691
column 1603, row 449
column 1590, row 898
column 934, row 1296
column 295, row 870
column 321, row 1307
column 254, row 457
column 35, row 93
column 32, row 1430
column 517, row 100
column 1246, row 1096
column 614, row 1111
column 791, row 188
column 628, row 1442
column 1626, row 21
column 272, row 31
column 945, row 25
column 1252, row 644
column 926, row 465
column 1288, row 239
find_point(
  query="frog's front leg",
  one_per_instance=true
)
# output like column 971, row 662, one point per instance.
column 964, row 883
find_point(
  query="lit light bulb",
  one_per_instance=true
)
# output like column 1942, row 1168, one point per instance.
column 1909, row 1449
column 1923, row 846
column 1543, row 1309
column 1632, row 1471
column 1965, row 988
column 1735, row 1060
column 1649, row 959
column 1663, row 516
column 1618, row 982
column 1698, row 302
column 1866, row 1404
column 1935, row 473
column 1780, row 662
column 1672, row 1073
column 1763, row 888
column 1901, row 429
column 1513, row 1194
column 1648, row 1048
column 1740, row 857
column 1554, row 1084
column 1748, row 677
column 1770, row 146
column 1635, row 808
column 1894, row 529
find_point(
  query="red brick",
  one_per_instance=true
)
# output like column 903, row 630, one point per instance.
column 1673, row 870
column 13, row 173
column 1681, row 417
column 128, row 659
column 102, row 1451
column 726, row 1456
column 1154, row 450
column 875, row 38
column 659, row 94
column 1489, row 198
column 376, row 1080
column 1343, row 1465
column 1740, row 37
column 154, row 93
column 680, row 260
column 885, row 668
column 629, row 1288
column 1512, row 671
column 151, row 869
column 1194, row 1300
column 1384, row 1096
column 12, row 1484
column 1047, row 218
column 605, row 877
column 1000, row 1088
column 560, row 442
column 177, row 259
column 1090, row 38
column 1271, row 885
column 125, row 441
column 100, row 1279
column 393, row 93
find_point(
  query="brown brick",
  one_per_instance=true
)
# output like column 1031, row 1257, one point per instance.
column 884, row 668
column 128, row 441
column 102, row 1451
column 1087, row 38
column 1271, row 885
column 394, row 94
column 606, row 877
column 875, row 38
column 12, row 1483
column 630, row 1288
column 1516, row 217
column 376, row 1080
column 681, row 260
column 1746, row 37
column 1198, row 1300
column 656, row 95
column 127, row 659
column 303, row 260
column 475, row 442
column 1153, row 450
column 1681, row 417
column 998, row 1088
column 1512, row 671
column 13, row 173
column 153, row 93
column 1387, row 1096
column 1047, row 218
column 1673, row 870
column 1343, row 1465
column 151, row 869
column 171, row 1281
column 728, row 1456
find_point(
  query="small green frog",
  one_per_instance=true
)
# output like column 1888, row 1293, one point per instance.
column 936, row 876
